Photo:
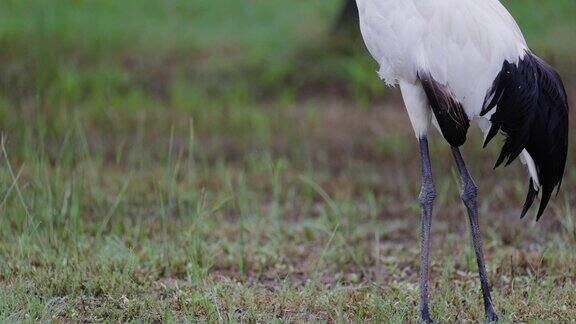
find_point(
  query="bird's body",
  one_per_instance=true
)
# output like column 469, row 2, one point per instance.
column 451, row 39
column 460, row 43
column 463, row 61
column 460, row 46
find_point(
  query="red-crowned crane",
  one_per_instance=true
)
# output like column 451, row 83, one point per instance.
column 457, row 61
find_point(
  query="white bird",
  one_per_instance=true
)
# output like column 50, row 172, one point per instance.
column 457, row 61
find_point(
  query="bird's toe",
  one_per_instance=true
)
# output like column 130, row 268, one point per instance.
column 491, row 317
column 425, row 318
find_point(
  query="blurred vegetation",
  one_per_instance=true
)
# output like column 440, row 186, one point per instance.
column 71, row 50
column 228, row 160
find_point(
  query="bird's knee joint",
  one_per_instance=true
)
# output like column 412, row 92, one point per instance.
column 469, row 193
column 427, row 196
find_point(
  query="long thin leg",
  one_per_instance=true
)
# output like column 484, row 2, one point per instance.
column 469, row 194
column 427, row 196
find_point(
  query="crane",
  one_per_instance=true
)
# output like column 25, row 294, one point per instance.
column 463, row 61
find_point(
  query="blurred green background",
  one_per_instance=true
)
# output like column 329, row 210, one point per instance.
column 229, row 160
column 73, row 50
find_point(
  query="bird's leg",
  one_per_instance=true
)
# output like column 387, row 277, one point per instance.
column 469, row 193
column 427, row 196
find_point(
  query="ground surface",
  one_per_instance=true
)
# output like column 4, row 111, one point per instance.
column 158, row 163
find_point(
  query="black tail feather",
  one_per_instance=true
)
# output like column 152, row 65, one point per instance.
column 546, row 194
column 491, row 134
column 532, row 193
column 532, row 111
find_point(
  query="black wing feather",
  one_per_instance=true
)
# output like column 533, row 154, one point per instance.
column 449, row 113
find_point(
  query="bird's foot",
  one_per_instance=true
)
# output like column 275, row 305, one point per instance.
column 425, row 317
column 491, row 316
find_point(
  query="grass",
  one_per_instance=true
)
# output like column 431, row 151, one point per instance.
column 160, row 163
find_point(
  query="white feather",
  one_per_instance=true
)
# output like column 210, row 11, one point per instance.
column 417, row 107
column 461, row 43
